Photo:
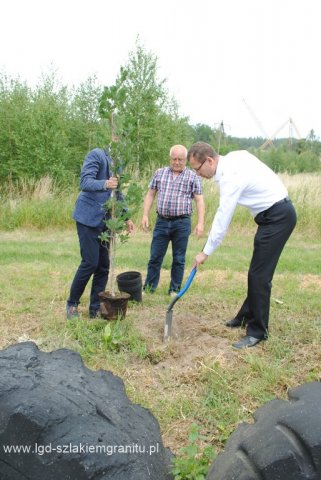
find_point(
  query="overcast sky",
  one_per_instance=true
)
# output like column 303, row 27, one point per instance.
column 214, row 54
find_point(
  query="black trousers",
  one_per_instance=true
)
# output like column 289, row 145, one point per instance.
column 94, row 262
column 275, row 226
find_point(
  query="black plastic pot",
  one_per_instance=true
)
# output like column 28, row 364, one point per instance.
column 131, row 282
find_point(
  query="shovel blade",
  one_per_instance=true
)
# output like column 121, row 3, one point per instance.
column 168, row 326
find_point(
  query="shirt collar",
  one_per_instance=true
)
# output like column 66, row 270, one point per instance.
column 219, row 169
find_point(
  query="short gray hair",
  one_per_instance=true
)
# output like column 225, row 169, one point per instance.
column 178, row 147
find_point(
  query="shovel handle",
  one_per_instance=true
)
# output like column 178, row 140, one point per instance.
column 188, row 282
column 183, row 290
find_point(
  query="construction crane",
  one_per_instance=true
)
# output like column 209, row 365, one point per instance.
column 255, row 118
column 269, row 139
column 292, row 127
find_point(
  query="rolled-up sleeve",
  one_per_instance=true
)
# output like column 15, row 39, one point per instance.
column 197, row 186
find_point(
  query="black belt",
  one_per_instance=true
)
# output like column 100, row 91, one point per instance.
column 173, row 218
column 284, row 200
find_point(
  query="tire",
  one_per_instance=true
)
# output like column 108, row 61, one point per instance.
column 284, row 443
column 61, row 421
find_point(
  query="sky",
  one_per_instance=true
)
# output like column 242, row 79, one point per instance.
column 251, row 64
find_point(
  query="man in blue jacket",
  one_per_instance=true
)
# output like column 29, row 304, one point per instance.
column 97, row 182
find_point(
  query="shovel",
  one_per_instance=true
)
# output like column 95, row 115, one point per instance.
column 169, row 312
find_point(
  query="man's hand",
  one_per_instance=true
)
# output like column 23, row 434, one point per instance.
column 200, row 258
column 130, row 226
column 145, row 223
column 199, row 230
column 111, row 183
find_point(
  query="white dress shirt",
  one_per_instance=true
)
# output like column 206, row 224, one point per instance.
column 243, row 180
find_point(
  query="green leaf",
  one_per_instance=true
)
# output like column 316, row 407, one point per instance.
column 107, row 333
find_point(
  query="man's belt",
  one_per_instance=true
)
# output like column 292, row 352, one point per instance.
column 284, row 200
column 173, row 217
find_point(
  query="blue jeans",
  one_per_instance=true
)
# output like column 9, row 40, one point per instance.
column 95, row 261
column 176, row 231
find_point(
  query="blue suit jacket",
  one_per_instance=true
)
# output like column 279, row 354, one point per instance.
column 95, row 171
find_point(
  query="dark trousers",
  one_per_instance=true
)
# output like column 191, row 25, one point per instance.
column 275, row 225
column 176, row 231
column 94, row 261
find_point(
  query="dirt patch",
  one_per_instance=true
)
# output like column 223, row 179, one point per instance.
column 310, row 280
column 175, row 368
column 189, row 354
column 193, row 341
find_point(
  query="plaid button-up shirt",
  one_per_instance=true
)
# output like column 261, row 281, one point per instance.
column 175, row 194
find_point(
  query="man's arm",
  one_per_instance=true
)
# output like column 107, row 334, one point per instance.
column 200, row 206
column 91, row 167
column 229, row 195
column 148, row 202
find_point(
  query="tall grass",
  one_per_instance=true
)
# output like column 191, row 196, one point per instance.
column 41, row 204
column 36, row 204
column 305, row 192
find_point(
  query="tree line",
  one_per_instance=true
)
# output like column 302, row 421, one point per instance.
column 48, row 129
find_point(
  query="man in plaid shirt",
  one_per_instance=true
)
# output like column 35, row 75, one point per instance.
column 176, row 186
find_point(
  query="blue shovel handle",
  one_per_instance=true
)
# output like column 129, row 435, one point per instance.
column 183, row 290
column 187, row 283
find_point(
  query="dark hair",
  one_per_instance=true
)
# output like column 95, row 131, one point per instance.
column 200, row 151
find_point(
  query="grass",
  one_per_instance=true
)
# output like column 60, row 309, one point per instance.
column 37, row 204
column 198, row 379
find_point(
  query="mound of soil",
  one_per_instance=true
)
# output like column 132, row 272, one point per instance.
column 193, row 340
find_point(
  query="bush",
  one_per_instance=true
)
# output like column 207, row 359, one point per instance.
column 281, row 160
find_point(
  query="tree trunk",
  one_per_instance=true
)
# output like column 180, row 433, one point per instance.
column 112, row 253
column 112, row 263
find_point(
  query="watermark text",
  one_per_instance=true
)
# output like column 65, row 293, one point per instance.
column 81, row 448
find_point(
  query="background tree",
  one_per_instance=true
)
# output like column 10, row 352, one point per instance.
column 313, row 142
column 146, row 117
column 48, row 129
column 87, row 129
column 15, row 116
column 203, row 133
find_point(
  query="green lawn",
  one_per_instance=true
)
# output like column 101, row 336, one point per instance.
column 198, row 378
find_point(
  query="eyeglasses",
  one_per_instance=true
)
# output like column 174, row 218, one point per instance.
column 198, row 168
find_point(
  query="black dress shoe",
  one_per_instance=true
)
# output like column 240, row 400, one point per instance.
column 235, row 323
column 247, row 342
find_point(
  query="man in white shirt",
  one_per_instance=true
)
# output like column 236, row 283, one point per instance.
column 244, row 180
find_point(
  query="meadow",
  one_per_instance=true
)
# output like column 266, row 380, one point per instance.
column 197, row 379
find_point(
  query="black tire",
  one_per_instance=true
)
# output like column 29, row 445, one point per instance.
column 284, row 443
column 72, row 423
